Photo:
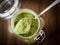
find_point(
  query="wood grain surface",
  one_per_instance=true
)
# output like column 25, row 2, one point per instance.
column 51, row 28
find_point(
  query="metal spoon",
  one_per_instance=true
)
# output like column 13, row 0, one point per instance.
column 49, row 7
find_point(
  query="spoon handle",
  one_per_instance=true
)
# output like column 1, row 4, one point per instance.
column 49, row 7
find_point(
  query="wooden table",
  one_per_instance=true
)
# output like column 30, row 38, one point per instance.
column 51, row 17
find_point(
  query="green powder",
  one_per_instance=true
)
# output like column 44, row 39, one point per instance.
column 25, row 24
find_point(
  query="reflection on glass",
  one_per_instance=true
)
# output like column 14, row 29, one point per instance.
column 5, row 5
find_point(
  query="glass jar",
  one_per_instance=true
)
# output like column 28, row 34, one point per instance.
column 7, row 8
column 38, row 35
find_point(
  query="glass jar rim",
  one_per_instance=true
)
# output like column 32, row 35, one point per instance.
column 31, row 11
column 15, row 5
